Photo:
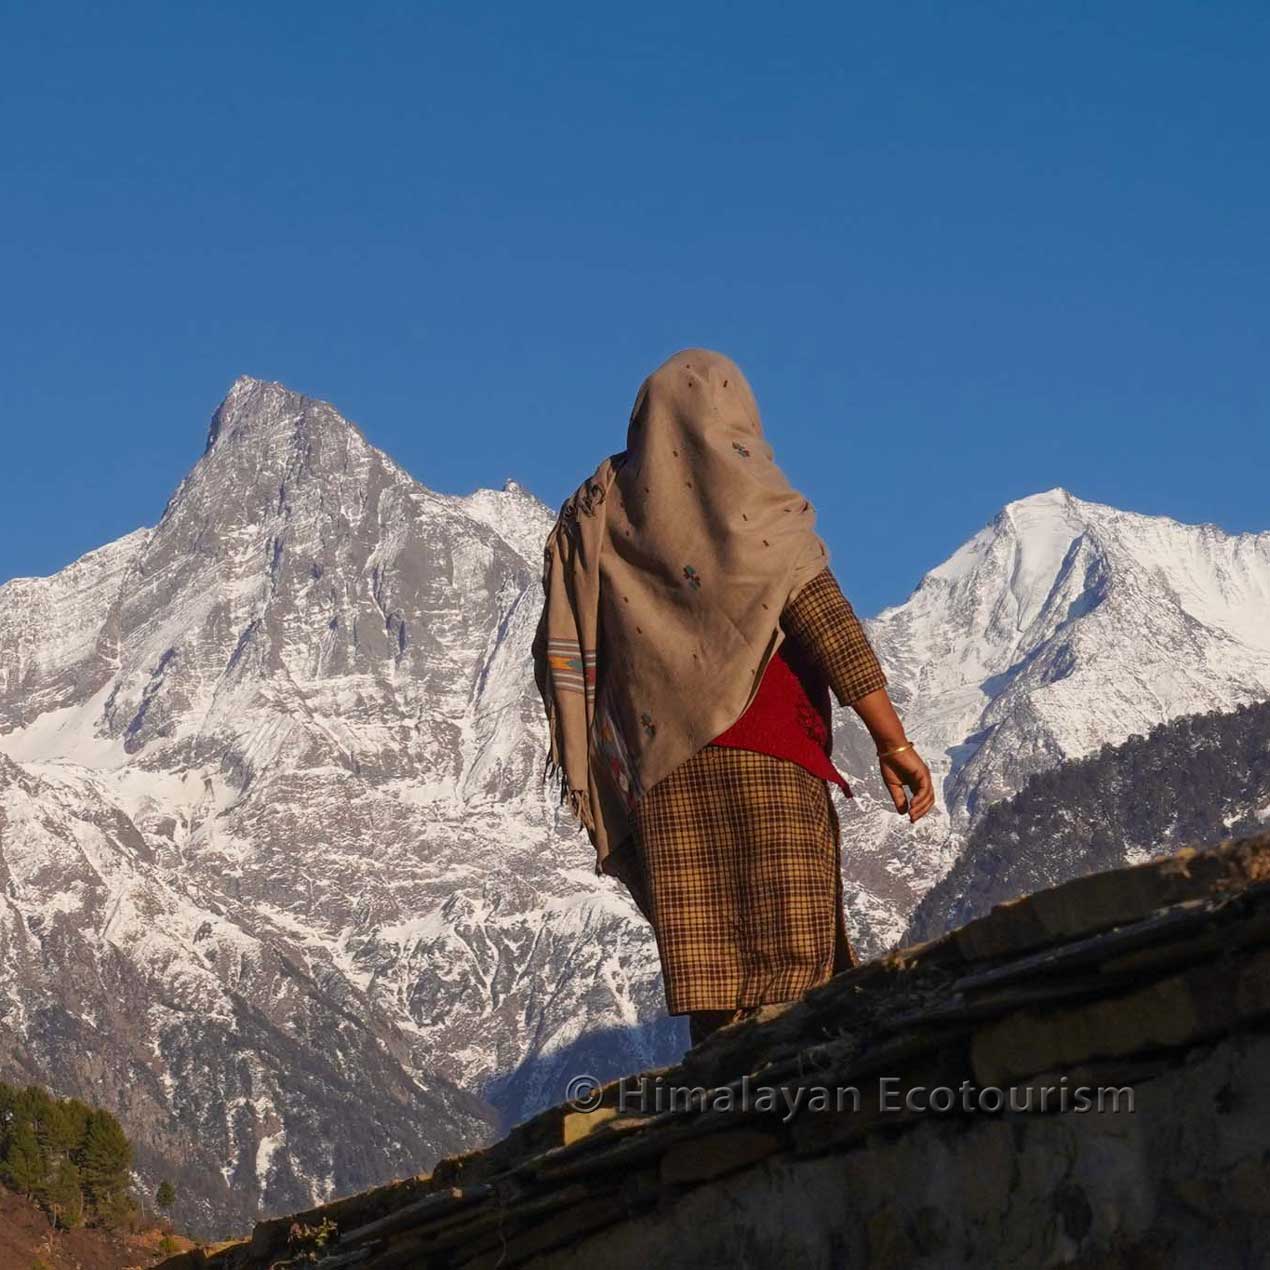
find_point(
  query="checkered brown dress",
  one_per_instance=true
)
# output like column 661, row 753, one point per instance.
column 739, row 854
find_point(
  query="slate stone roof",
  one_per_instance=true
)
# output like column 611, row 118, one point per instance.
column 1126, row 979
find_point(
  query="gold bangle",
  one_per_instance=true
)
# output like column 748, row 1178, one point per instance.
column 899, row 749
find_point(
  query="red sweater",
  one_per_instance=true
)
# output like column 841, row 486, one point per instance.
column 789, row 718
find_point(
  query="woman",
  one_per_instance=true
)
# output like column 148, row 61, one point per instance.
column 691, row 633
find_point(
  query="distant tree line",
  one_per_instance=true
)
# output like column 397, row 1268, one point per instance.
column 1190, row 782
column 72, row 1159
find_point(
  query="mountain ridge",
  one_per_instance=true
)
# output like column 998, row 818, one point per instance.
column 1058, row 626
column 278, row 727
column 294, row 721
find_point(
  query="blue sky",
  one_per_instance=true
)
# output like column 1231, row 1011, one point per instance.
column 964, row 252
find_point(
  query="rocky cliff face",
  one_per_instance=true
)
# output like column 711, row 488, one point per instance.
column 279, row 878
column 272, row 786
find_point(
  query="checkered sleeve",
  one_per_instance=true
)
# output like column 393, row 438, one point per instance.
column 820, row 618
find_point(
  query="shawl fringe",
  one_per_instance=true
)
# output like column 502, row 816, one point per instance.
column 577, row 800
column 554, row 774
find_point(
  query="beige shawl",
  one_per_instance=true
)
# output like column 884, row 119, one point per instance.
column 665, row 577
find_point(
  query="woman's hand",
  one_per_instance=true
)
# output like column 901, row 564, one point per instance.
column 908, row 780
column 906, row 776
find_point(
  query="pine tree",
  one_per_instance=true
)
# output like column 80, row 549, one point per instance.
column 8, row 1112
column 165, row 1196
column 117, row 1211
column 72, row 1159
column 23, row 1166
column 104, row 1158
column 64, row 1197
column 57, row 1131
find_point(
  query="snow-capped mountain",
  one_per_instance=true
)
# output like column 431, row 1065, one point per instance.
column 273, row 801
column 280, row 882
column 1061, row 625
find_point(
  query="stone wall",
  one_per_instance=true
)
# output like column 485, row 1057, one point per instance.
column 1182, row 1180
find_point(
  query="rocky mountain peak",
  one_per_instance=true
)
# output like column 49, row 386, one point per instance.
column 1061, row 625
column 1055, row 497
column 294, row 725
column 264, row 411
